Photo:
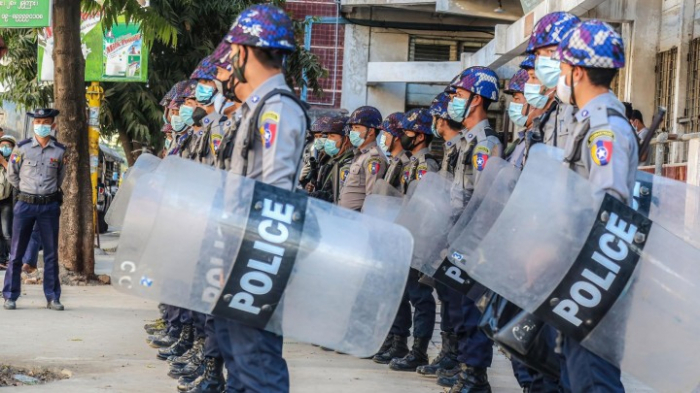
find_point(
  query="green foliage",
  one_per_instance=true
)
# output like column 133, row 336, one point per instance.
column 19, row 68
column 198, row 27
column 179, row 33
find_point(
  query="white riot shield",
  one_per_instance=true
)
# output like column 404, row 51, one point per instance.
column 496, row 167
column 595, row 269
column 146, row 163
column 213, row 242
column 384, row 203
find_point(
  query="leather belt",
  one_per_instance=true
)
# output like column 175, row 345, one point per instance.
column 33, row 199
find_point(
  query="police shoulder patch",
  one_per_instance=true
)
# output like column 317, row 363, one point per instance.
column 482, row 149
column 16, row 158
column 600, row 134
column 374, row 165
column 268, row 129
column 344, row 171
column 421, row 171
column 601, row 152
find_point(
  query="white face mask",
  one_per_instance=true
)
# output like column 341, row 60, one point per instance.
column 563, row 90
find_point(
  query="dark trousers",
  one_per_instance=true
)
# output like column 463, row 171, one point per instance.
column 172, row 319
column 211, row 344
column 253, row 357
column 421, row 297
column 475, row 348
column 521, row 373
column 6, row 227
column 587, row 372
column 46, row 217
column 31, row 256
column 445, row 294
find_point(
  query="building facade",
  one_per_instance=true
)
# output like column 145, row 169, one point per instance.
column 401, row 53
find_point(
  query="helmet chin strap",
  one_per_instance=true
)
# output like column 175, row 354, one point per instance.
column 237, row 75
column 572, row 100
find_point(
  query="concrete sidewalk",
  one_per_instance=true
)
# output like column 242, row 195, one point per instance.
column 100, row 339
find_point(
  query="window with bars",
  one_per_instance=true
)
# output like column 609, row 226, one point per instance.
column 665, row 90
column 692, row 100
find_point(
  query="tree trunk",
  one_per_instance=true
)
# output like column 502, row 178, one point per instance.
column 126, row 143
column 76, row 237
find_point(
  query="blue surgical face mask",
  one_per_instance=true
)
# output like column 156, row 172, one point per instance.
column 6, row 150
column 319, row 143
column 330, row 147
column 165, row 119
column 42, row 130
column 168, row 142
column 382, row 143
column 355, row 138
column 204, row 93
column 178, row 123
column 547, row 71
column 515, row 112
column 457, row 109
column 533, row 96
column 434, row 130
column 186, row 114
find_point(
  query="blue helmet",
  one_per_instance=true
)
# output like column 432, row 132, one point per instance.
column 418, row 120
column 551, row 29
column 169, row 95
column 262, row 26
column 438, row 107
column 592, row 44
column 393, row 124
column 528, row 63
column 481, row 81
column 205, row 70
column 517, row 82
column 367, row 116
column 331, row 124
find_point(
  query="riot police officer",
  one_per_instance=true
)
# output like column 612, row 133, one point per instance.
column 390, row 143
column 268, row 148
column 185, row 139
column 369, row 163
column 603, row 149
column 337, row 148
column 205, row 93
column 36, row 171
column 540, row 90
column 450, row 301
column 416, row 139
column 315, row 159
column 474, row 92
column 520, row 114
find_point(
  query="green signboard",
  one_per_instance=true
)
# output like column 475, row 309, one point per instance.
column 116, row 55
column 25, row 13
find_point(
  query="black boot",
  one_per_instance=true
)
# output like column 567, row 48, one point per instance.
column 212, row 381
column 472, row 380
column 385, row 345
column 181, row 346
column 185, row 382
column 448, row 377
column 161, row 341
column 398, row 349
column 196, row 350
column 190, row 367
column 446, row 359
column 417, row 357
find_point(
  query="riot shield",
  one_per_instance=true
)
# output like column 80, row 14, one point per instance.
column 596, row 270
column 222, row 244
column 487, row 178
column 384, row 203
column 672, row 204
column 146, row 163
column 428, row 216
